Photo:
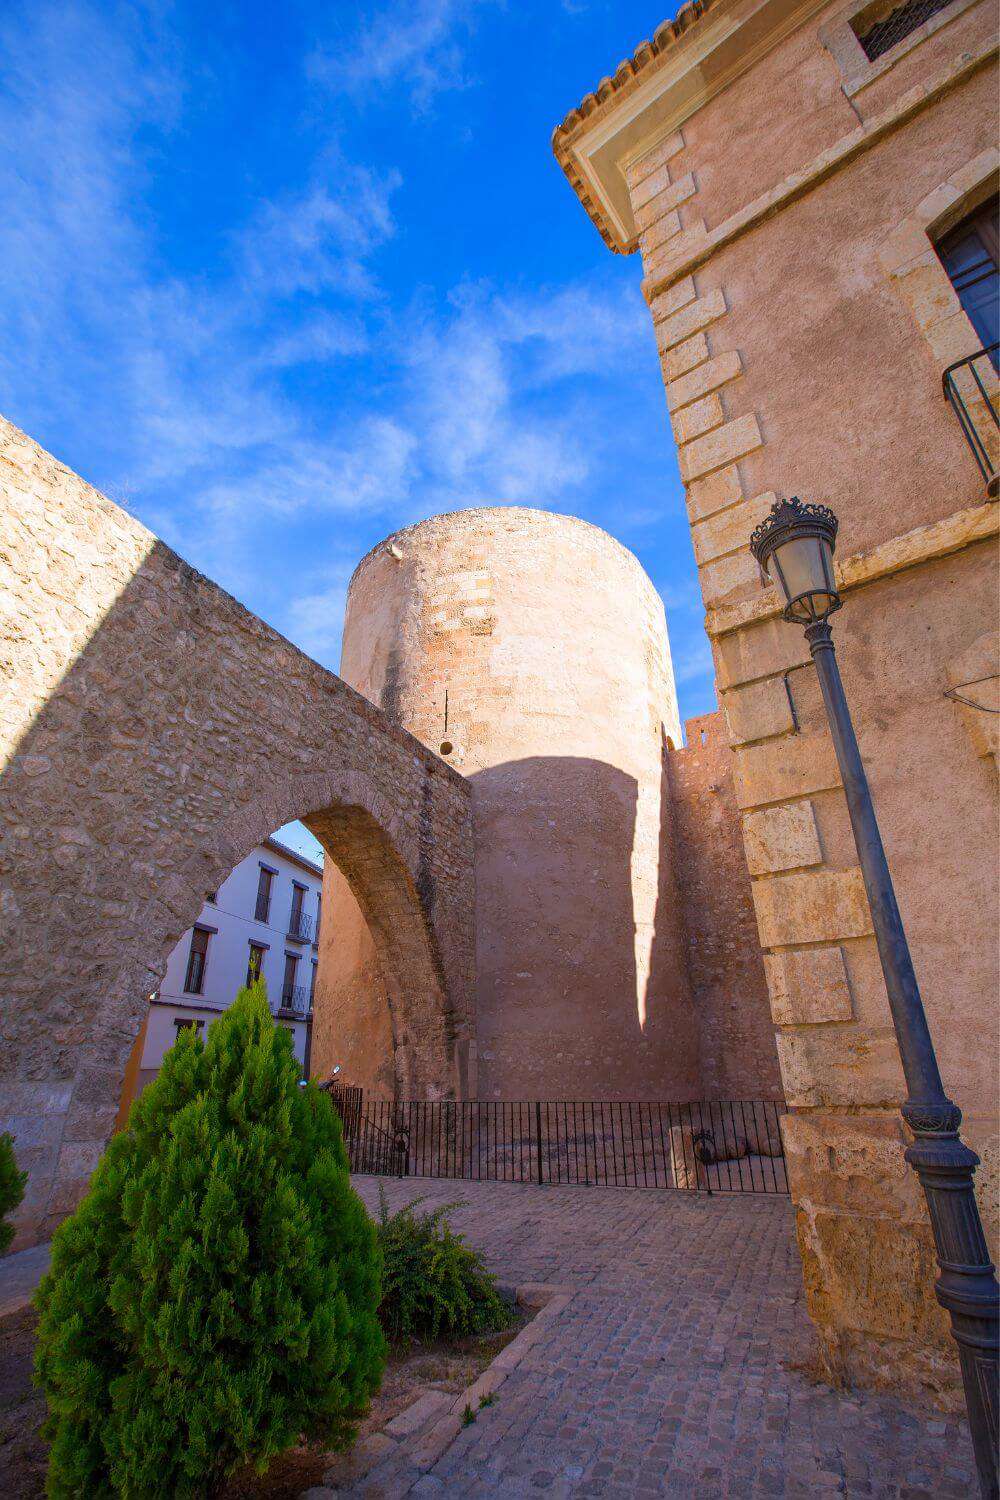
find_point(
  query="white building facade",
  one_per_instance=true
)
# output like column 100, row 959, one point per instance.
column 264, row 919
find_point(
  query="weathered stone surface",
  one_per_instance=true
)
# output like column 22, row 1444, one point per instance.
column 793, row 766
column 684, row 356
column 758, row 711
column 709, row 376
column 698, row 418
column 821, row 906
column 781, row 838
column 730, row 530
column 840, row 1066
column 153, row 732
column 808, row 985
column 691, row 319
column 736, row 439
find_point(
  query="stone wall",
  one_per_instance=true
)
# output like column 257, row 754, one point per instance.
column 153, row 732
column 531, row 649
column 785, row 211
column 737, row 1056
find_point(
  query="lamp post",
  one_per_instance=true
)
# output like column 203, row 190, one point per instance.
column 794, row 546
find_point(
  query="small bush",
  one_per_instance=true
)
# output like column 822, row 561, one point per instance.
column 215, row 1294
column 433, row 1285
column 11, row 1188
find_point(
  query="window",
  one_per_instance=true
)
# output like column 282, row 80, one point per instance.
column 185, row 1023
column 266, row 879
column 194, row 979
column 312, row 982
column 212, row 896
column 878, row 38
column 288, row 983
column 295, row 920
column 969, row 254
column 319, row 919
column 256, row 961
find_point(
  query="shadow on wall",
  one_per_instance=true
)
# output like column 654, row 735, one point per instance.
column 558, row 1008
column 177, row 732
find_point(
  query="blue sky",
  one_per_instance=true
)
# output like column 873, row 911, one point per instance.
column 283, row 278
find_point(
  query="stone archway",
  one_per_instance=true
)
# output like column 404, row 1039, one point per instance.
column 155, row 732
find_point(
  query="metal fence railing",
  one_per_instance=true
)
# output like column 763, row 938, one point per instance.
column 719, row 1145
column 970, row 386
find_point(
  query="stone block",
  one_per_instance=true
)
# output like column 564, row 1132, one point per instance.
column 664, row 229
column 710, row 376
column 759, row 651
column 693, row 318
column 670, row 196
column 714, row 493
column 817, row 907
column 418, row 1414
column 729, row 530
column 698, row 418
column 723, row 446
column 840, row 1067
column 675, row 297
column 852, row 1163
column 758, row 711
column 647, row 175
column 723, row 576
column 683, row 357
column 781, row 838
column 776, row 770
column 808, row 986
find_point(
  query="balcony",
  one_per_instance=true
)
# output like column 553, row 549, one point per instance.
column 295, row 1002
column 300, row 927
column 971, row 386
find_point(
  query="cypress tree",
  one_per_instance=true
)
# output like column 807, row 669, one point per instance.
column 11, row 1188
column 215, row 1294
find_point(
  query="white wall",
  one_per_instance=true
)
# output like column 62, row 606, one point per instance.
column 232, row 914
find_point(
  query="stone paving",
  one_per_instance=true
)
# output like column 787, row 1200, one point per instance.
column 681, row 1366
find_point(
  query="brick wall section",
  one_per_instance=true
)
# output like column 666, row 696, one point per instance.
column 728, row 985
column 153, row 732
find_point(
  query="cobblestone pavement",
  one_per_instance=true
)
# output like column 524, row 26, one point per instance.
column 680, row 1366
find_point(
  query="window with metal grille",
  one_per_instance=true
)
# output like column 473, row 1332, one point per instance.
column 194, row 979
column 970, row 253
column 876, row 40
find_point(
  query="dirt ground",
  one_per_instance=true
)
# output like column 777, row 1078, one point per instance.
column 409, row 1373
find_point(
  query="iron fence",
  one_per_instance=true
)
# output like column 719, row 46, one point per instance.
column 719, row 1145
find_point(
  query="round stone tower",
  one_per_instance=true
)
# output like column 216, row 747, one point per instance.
column 530, row 650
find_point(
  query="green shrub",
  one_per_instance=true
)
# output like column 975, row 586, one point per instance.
column 215, row 1294
column 11, row 1188
column 433, row 1285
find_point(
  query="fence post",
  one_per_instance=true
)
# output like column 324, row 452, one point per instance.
column 538, row 1137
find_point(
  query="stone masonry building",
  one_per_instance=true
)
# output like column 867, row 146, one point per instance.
column 533, row 890
column 812, row 189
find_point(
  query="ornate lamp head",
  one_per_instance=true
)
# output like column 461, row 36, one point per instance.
column 794, row 547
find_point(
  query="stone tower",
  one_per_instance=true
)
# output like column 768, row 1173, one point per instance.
column 530, row 650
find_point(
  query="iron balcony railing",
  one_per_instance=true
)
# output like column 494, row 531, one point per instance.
column 971, row 387
column 295, row 1000
column 716, row 1146
column 300, row 927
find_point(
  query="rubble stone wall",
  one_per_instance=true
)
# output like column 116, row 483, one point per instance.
column 153, row 732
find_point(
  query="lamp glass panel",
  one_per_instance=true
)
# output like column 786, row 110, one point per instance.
column 800, row 565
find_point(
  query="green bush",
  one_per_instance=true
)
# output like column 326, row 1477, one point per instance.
column 215, row 1294
column 11, row 1188
column 432, row 1283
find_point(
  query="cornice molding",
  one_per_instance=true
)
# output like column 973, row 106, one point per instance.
column 830, row 161
column 923, row 544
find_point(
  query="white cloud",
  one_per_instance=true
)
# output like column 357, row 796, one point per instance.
column 416, row 43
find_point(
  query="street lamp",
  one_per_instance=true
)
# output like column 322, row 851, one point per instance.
column 794, row 546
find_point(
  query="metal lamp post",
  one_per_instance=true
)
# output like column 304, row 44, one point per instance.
column 794, row 546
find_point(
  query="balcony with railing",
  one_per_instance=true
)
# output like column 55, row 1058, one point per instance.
column 971, row 387
column 295, row 1001
column 300, row 927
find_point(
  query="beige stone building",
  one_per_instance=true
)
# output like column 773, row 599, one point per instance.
column 812, row 190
